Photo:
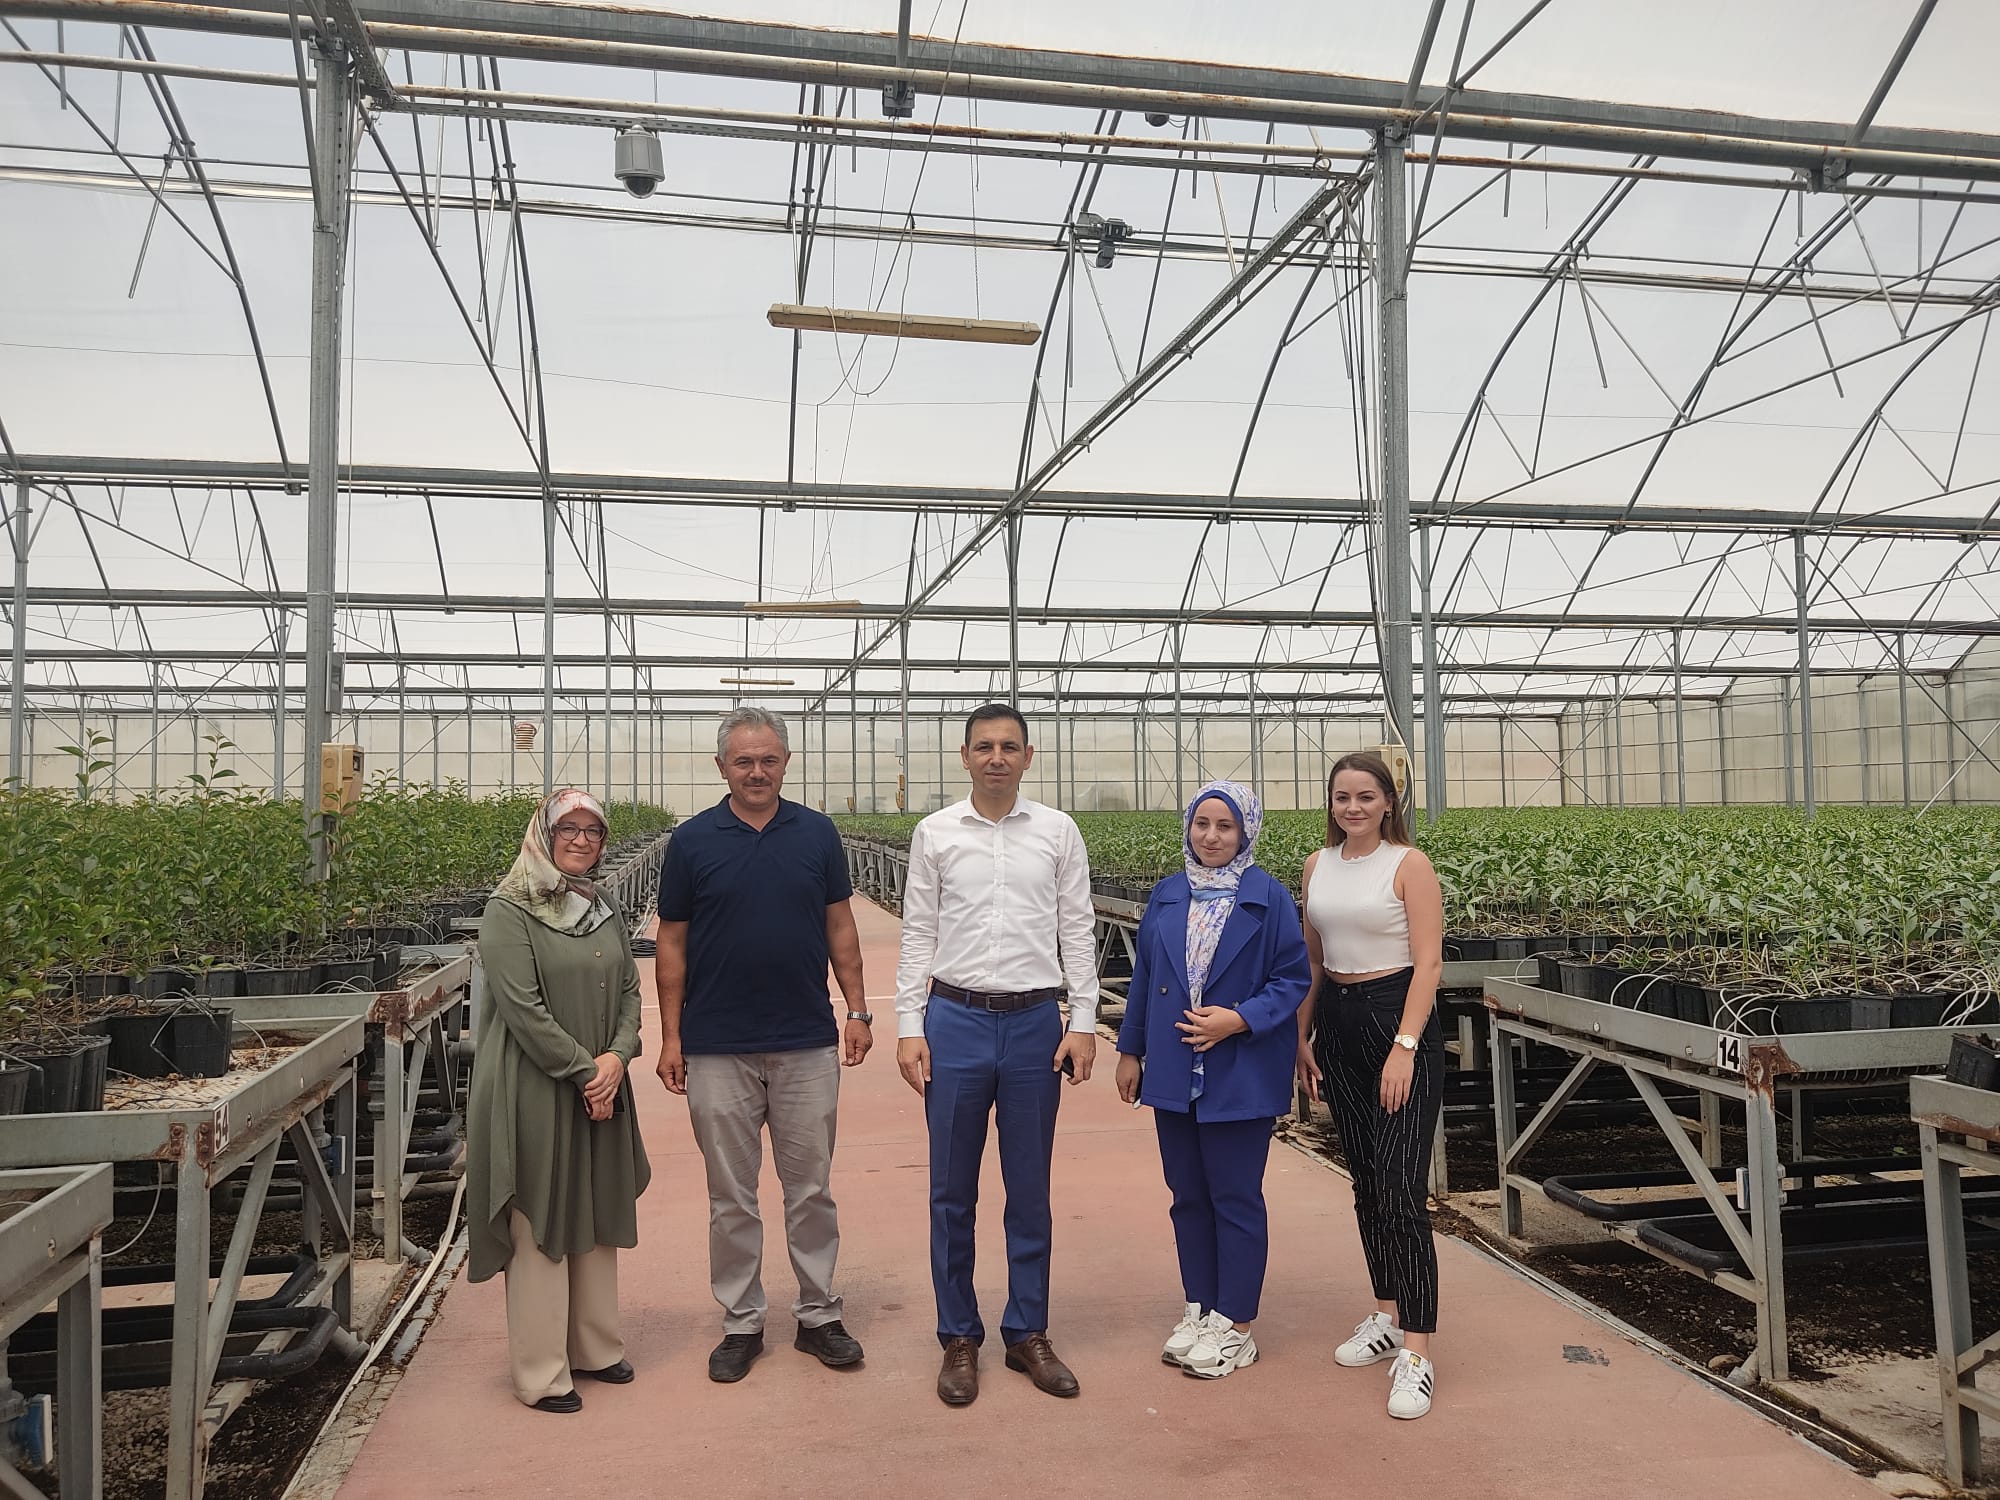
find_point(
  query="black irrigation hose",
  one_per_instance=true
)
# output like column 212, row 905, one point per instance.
column 317, row 1324
column 152, row 1324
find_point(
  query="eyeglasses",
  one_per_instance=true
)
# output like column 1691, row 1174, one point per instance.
column 580, row 835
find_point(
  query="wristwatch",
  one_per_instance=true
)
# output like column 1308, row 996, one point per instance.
column 862, row 1016
column 1407, row 1042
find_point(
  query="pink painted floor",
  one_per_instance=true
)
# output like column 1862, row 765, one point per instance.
column 1514, row 1416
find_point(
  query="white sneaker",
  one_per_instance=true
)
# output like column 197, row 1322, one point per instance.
column 1376, row 1338
column 1184, row 1337
column 1410, row 1385
column 1221, row 1348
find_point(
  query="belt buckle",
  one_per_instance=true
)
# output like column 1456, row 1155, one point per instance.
column 996, row 1004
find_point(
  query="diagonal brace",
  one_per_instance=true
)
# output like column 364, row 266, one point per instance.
column 1699, row 1170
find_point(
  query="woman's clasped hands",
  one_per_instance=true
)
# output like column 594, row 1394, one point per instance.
column 600, row 1092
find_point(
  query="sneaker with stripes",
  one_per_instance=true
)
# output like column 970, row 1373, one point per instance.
column 1376, row 1338
column 1222, row 1347
column 1411, row 1382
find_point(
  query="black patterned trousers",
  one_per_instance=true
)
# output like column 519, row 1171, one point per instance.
column 1388, row 1155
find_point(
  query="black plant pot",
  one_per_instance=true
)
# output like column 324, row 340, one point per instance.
column 103, row 986
column 1548, row 942
column 294, row 979
column 1815, row 1013
column 165, row 984
column 1548, row 971
column 1746, row 1013
column 346, row 974
column 224, row 982
column 139, row 1043
column 1510, row 947
column 1690, row 1002
column 1573, row 976
column 191, row 1041
column 65, row 1077
column 1653, row 993
column 14, row 1080
column 388, row 964
column 1925, row 1008
column 200, row 1042
column 1974, row 1061
column 1470, row 950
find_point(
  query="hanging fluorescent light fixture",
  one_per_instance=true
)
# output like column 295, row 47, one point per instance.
column 885, row 323
column 756, row 682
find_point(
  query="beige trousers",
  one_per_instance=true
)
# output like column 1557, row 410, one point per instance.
column 562, row 1315
column 733, row 1099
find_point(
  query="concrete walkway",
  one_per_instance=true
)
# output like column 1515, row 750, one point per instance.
column 1533, row 1400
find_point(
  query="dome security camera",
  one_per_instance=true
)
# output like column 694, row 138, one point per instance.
column 639, row 164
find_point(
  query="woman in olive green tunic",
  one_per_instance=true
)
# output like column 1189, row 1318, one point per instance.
column 555, row 1162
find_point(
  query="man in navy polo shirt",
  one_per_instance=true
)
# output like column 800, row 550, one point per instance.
column 753, row 904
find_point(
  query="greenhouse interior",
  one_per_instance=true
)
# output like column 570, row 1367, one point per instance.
column 410, row 409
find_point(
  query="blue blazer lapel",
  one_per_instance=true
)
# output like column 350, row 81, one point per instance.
column 1246, row 921
column 1173, row 934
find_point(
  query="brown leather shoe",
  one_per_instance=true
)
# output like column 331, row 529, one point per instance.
column 958, row 1381
column 1037, row 1359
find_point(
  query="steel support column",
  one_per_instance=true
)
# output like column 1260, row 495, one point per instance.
column 1680, row 732
column 333, row 162
column 1785, row 731
column 548, row 643
column 1434, row 767
column 1805, row 674
column 1903, row 709
column 1180, row 752
column 903, row 724
column 1392, row 254
column 1866, row 750
column 607, row 674
column 1013, row 549
column 278, row 692
column 17, row 694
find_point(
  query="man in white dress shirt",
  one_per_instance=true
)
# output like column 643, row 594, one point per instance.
column 997, row 925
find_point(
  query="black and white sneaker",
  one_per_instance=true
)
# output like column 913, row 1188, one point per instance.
column 1410, row 1384
column 1376, row 1338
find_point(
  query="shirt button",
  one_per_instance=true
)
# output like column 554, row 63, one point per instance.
column 1163, row 989
column 600, row 953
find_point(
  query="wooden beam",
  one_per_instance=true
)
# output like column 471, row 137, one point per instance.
column 902, row 325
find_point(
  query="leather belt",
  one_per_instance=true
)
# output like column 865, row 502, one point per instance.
column 999, row 1003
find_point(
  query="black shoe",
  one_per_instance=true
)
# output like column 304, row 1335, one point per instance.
column 730, row 1360
column 566, row 1402
column 618, row 1374
column 830, row 1343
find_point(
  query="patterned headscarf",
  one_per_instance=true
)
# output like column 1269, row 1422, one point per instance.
column 1214, row 890
column 535, row 883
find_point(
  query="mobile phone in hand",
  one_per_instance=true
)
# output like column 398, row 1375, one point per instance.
column 1069, row 1067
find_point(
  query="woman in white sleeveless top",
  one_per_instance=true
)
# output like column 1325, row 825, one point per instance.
column 1375, row 935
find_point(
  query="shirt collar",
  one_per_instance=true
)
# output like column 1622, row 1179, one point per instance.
column 725, row 815
column 969, row 809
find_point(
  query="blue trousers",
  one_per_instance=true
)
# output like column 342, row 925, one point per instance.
column 991, row 1066
column 1216, row 1171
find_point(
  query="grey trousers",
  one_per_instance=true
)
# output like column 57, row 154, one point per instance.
column 732, row 1099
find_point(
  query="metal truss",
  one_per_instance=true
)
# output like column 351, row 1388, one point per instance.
column 1366, row 241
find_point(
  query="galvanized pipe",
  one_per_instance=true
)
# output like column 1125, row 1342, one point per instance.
column 1393, row 395
column 333, row 146
column 1221, row 92
column 1434, row 731
column 17, row 693
column 1800, row 588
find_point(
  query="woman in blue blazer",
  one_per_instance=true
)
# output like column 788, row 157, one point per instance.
column 1209, row 1041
